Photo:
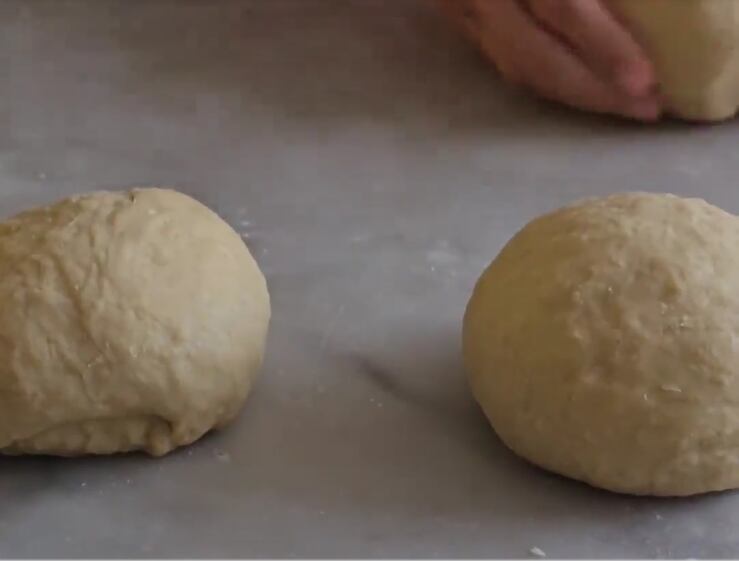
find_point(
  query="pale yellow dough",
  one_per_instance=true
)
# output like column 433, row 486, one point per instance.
column 128, row 321
column 695, row 47
column 603, row 344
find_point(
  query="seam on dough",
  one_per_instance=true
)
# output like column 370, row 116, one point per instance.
column 21, row 444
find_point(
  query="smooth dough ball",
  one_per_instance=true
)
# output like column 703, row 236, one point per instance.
column 603, row 344
column 695, row 47
column 128, row 321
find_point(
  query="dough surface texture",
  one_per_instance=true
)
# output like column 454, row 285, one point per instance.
column 695, row 47
column 603, row 344
column 128, row 321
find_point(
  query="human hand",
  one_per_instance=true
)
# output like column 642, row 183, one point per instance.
column 572, row 51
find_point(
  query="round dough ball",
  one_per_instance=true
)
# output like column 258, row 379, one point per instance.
column 695, row 47
column 603, row 344
column 129, row 321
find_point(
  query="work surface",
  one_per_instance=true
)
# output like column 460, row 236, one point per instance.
column 375, row 166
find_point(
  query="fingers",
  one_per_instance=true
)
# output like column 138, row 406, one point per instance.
column 602, row 41
column 527, row 53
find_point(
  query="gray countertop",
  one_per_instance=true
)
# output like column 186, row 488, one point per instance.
column 375, row 165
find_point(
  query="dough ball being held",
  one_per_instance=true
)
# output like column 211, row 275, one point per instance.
column 603, row 344
column 694, row 45
column 129, row 321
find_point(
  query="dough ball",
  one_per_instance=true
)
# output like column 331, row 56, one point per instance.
column 129, row 321
column 695, row 47
column 603, row 344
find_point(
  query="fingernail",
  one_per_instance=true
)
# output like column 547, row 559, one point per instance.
column 636, row 79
